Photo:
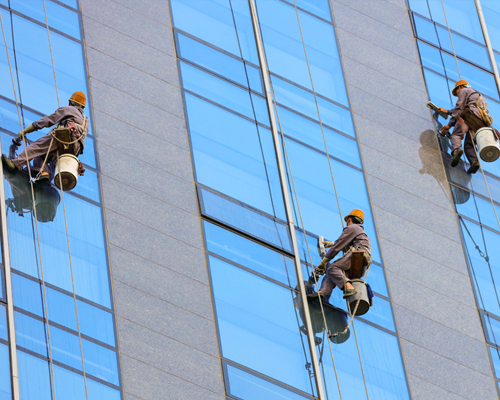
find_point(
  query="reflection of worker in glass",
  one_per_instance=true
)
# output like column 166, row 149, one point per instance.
column 44, row 150
column 353, row 238
column 467, row 97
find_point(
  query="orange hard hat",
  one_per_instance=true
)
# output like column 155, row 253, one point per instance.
column 78, row 97
column 459, row 84
column 356, row 213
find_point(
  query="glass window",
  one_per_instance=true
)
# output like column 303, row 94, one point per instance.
column 491, row 11
column 233, row 156
column 303, row 102
column 491, row 326
column 3, row 323
column 461, row 15
column 426, row 30
column 34, row 377
column 101, row 362
column 245, row 219
column 381, row 314
column 241, row 384
column 261, row 315
column 2, row 284
column 309, row 132
column 376, row 280
column 59, row 17
column 5, row 388
column 484, row 263
column 218, row 62
column 319, row 7
column 474, row 207
column 420, row 6
column 224, row 93
column 98, row 391
column 213, row 22
column 495, row 360
column 87, row 250
column 382, row 365
column 250, row 254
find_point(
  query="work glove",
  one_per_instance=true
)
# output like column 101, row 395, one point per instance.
column 444, row 130
column 328, row 244
column 321, row 268
column 25, row 131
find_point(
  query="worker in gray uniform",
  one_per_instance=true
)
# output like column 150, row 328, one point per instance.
column 70, row 116
column 469, row 97
column 353, row 237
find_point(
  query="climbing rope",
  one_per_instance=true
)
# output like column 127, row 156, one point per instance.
column 64, row 207
column 35, row 214
column 489, row 194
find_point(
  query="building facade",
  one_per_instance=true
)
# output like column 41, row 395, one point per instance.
column 226, row 137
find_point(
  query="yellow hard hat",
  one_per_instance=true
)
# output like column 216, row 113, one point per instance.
column 356, row 213
column 459, row 84
column 79, row 98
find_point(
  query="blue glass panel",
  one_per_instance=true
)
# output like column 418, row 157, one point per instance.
column 420, row 6
column 36, row 77
column 426, row 30
column 285, row 49
column 381, row 314
column 58, row 17
column 471, row 51
column 2, row 284
column 309, row 132
column 88, row 186
column 6, row 89
column 3, row 323
column 98, row 391
column 101, row 362
column 68, row 385
column 224, row 93
column 303, row 102
column 495, row 360
column 261, row 315
column 250, row 254
column 5, row 388
column 213, row 22
column 282, row 41
column 431, row 57
column 439, row 92
column 491, row 326
column 31, row 334
column 255, row 78
column 243, row 385
column 382, row 364
column 34, row 377
column 319, row 7
column 491, row 12
column 228, row 156
column 245, row 219
column 88, row 156
column 461, row 15
column 87, row 249
column 71, row 3
column 324, row 59
column 218, row 62
column 96, row 323
column 27, row 295
column 376, row 279
column 474, row 207
column 306, row 248
column 480, row 80
column 485, row 272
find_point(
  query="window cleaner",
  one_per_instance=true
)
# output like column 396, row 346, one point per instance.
column 355, row 244
column 468, row 117
column 67, row 139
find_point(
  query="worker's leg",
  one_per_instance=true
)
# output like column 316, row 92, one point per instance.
column 458, row 135
column 335, row 270
column 36, row 149
column 469, row 148
column 326, row 288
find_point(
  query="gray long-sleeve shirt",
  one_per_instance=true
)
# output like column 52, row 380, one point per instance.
column 67, row 113
column 465, row 96
column 352, row 235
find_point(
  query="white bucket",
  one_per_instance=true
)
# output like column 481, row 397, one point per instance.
column 67, row 167
column 487, row 145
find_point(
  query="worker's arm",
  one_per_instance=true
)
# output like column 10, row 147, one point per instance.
column 50, row 120
column 347, row 236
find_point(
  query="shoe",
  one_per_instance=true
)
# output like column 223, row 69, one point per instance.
column 44, row 177
column 317, row 294
column 473, row 167
column 349, row 293
column 8, row 162
column 456, row 154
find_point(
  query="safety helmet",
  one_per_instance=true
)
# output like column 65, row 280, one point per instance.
column 357, row 213
column 79, row 98
column 459, row 84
